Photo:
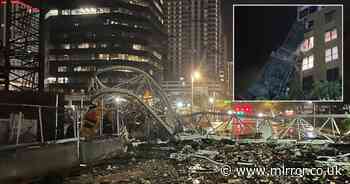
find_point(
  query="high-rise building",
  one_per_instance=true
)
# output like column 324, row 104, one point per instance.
column 229, row 79
column 322, row 48
column 226, row 78
column 87, row 35
column 194, row 38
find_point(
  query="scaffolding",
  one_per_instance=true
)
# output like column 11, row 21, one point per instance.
column 22, row 62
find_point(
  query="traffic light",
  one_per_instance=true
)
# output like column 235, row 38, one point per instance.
column 240, row 114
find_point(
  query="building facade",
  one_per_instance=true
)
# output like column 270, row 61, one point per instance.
column 181, row 91
column 194, row 39
column 86, row 36
column 229, row 80
column 322, row 48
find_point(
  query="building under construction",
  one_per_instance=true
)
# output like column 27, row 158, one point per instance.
column 22, row 60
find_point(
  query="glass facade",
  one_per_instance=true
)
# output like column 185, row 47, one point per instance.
column 84, row 39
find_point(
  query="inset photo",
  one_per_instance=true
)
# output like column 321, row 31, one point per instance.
column 288, row 52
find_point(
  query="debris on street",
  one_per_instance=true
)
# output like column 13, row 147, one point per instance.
column 193, row 163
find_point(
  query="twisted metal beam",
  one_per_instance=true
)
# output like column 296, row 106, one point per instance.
column 129, row 95
column 166, row 117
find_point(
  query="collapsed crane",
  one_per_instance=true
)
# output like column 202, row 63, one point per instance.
column 280, row 69
column 141, row 102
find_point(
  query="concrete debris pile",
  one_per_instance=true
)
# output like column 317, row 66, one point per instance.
column 203, row 162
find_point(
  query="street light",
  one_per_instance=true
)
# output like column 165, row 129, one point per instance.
column 211, row 102
column 260, row 114
column 194, row 76
column 117, row 100
column 179, row 104
column 313, row 111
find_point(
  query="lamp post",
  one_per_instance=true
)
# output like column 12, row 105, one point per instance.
column 313, row 112
column 118, row 100
column 211, row 102
column 195, row 75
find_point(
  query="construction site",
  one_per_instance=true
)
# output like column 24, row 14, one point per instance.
column 130, row 132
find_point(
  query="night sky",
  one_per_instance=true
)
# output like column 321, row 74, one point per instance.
column 258, row 31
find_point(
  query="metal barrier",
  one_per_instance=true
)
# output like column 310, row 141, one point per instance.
column 41, row 132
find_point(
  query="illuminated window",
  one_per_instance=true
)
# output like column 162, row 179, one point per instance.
column 103, row 10
column 62, row 80
column 335, row 53
column 118, row 56
column 50, row 80
column 66, row 46
column 62, row 69
column 308, row 44
column 65, row 12
column 138, row 47
column 331, row 54
column 85, row 11
column 107, row 22
column 83, row 46
column 128, row 57
column 92, row 45
column 137, row 58
column 84, row 68
column 82, row 11
column 308, row 62
column 328, row 55
column 137, row 2
column 114, row 22
column 103, row 56
column 51, row 13
column 330, row 35
column 77, row 69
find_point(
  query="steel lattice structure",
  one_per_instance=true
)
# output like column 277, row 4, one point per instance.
column 23, row 68
column 327, row 129
column 155, row 104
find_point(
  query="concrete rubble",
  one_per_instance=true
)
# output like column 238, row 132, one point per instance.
column 193, row 162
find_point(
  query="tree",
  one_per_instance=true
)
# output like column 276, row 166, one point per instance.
column 326, row 90
column 344, row 126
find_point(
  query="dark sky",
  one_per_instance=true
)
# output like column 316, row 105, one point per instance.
column 258, row 31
